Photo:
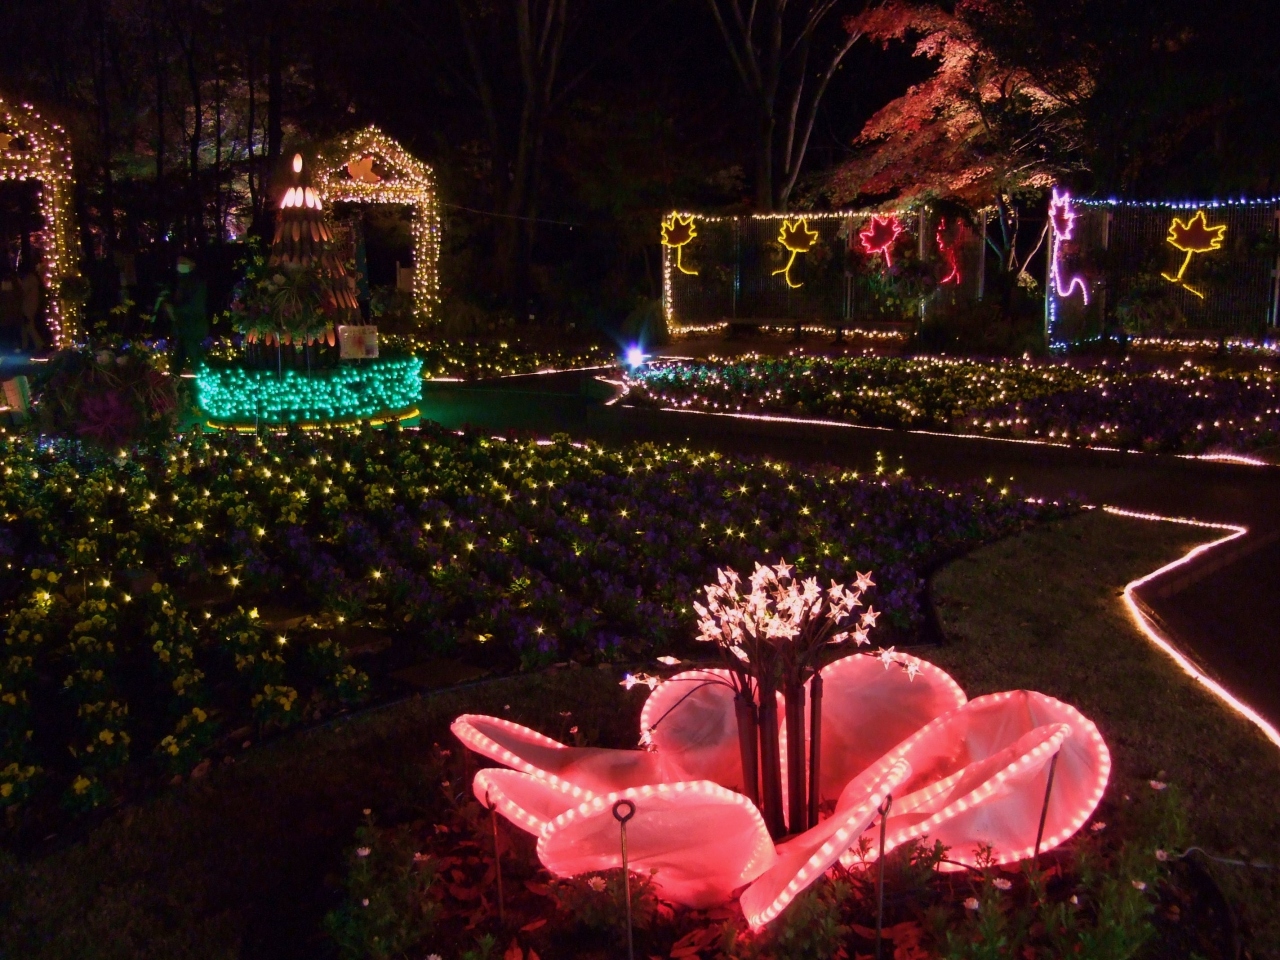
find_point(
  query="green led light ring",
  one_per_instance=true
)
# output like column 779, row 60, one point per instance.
column 348, row 393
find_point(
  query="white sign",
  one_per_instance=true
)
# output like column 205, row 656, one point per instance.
column 358, row 343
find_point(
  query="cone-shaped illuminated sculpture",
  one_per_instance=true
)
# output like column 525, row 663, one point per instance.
column 304, row 241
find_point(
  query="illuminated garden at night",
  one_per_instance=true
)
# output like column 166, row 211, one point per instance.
column 718, row 481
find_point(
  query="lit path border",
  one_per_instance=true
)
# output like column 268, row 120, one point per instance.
column 1143, row 622
column 1232, row 458
column 1152, row 632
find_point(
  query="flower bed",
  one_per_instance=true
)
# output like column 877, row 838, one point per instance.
column 475, row 359
column 1184, row 409
column 129, row 582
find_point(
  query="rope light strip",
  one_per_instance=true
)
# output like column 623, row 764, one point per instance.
column 1152, row 632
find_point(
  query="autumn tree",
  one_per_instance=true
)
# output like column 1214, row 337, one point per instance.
column 986, row 129
column 784, row 53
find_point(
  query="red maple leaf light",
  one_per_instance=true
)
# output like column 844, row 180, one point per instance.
column 880, row 235
column 948, row 252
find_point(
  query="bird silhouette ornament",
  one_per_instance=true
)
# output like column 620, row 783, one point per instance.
column 1194, row 236
column 795, row 237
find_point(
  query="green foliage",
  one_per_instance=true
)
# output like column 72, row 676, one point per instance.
column 984, row 328
column 810, row 929
column 107, row 395
column 599, row 902
column 390, row 905
column 1150, row 307
column 338, row 680
column 486, row 948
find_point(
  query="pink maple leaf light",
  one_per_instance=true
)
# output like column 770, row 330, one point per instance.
column 879, row 236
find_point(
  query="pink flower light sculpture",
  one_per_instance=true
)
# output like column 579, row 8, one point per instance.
column 962, row 772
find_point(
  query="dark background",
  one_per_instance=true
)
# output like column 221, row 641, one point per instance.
column 647, row 115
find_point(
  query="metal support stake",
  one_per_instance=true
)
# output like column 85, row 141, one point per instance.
column 622, row 818
column 497, row 858
column 1044, row 812
column 884, row 817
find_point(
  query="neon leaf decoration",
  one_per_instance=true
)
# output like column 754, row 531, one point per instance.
column 967, row 773
column 1062, row 221
column 879, row 237
column 1194, row 236
column 677, row 231
column 948, row 252
column 795, row 237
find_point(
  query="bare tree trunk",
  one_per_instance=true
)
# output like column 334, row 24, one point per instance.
column 764, row 52
column 102, row 94
column 161, row 75
column 251, row 162
column 188, row 41
column 275, row 98
column 217, row 153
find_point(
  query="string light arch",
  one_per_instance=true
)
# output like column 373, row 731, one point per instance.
column 370, row 167
column 36, row 149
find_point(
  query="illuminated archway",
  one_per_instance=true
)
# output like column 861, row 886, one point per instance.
column 33, row 148
column 370, row 167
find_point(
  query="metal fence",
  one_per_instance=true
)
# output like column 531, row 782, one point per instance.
column 1154, row 268
column 1130, row 275
column 735, row 269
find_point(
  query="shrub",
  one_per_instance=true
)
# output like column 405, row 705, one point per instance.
column 390, row 905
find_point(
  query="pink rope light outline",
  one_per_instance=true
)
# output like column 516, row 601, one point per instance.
column 1152, row 633
column 1061, row 205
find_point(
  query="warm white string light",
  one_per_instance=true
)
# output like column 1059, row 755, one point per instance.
column 39, row 150
column 409, row 181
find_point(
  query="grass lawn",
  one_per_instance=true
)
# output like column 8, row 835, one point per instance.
column 1043, row 610
column 244, row 861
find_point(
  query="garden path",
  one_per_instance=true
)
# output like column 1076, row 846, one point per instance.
column 1222, row 609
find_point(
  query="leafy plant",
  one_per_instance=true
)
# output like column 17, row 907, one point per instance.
column 390, row 905
column 599, row 902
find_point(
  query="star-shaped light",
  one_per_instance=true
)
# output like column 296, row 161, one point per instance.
column 887, row 658
column 864, row 582
column 870, row 616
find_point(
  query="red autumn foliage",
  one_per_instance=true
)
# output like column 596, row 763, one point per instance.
column 979, row 129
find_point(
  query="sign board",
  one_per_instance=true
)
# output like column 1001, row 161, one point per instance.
column 358, row 342
column 17, row 394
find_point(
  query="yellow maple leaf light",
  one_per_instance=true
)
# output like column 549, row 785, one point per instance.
column 1192, row 237
column 676, row 232
column 795, row 237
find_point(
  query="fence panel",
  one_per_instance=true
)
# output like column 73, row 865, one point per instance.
column 816, row 268
column 1164, row 269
